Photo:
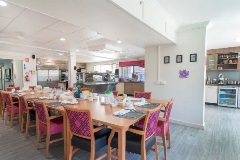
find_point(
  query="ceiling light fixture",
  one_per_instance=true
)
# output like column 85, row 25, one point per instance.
column 77, row 50
column 60, row 54
column 62, row 39
column 2, row 3
column 119, row 41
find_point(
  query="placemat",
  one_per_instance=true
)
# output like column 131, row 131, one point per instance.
column 150, row 105
column 133, row 114
column 54, row 104
column 32, row 99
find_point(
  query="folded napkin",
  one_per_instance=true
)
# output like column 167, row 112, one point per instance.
column 22, row 94
column 139, row 103
column 43, row 97
column 68, row 102
column 121, row 112
column 134, row 99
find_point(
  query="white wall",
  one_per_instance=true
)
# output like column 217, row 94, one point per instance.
column 188, row 93
column 17, row 73
column 30, row 67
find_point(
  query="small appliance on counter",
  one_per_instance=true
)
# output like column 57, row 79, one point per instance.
column 220, row 79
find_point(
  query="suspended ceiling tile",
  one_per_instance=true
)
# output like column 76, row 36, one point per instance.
column 64, row 27
column 4, row 22
column 36, row 19
column 10, row 11
column 46, row 35
column 23, row 28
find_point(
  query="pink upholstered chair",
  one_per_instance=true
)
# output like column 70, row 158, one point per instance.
column 115, row 93
column 70, row 89
column 83, row 134
column 146, row 95
column 9, row 89
column 17, row 88
column 47, row 125
column 11, row 107
column 163, row 127
column 1, row 105
column 139, row 140
column 28, row 114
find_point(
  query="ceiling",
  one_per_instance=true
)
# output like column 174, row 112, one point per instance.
column 85, row 24
column 224, row 16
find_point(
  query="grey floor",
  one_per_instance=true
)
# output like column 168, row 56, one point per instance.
column 219, row 141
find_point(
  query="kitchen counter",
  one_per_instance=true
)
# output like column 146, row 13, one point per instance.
column 227, row 85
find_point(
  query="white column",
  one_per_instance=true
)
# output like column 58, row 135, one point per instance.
column 71, row 72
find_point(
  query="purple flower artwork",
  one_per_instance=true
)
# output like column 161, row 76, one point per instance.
column 183, row 73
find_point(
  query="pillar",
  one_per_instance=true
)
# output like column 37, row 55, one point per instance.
column 71, row 72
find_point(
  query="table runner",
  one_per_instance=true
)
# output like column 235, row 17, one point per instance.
column 133, row 114
column 150, row 105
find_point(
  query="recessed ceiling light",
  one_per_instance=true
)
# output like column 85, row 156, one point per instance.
column 2, row 3
column 128, row 49
column 77, row 50
column 62, row 39
column 119, row 41
column 60, row 54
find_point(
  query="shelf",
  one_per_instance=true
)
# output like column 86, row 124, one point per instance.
column 227, row 64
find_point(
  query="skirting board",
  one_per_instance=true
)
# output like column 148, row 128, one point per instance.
column 188, row 124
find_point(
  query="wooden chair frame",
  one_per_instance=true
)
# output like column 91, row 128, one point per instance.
column 48, row 135
column 92, row 138
column 1, row 105
column 27, row 121
column 139, row 132
column 11, row 115
column 166, row 136
column 150, row 93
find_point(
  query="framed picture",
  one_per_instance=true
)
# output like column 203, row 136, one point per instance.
column 166, row 59
column 8, row 74
column 193, row 57
column 178, row 58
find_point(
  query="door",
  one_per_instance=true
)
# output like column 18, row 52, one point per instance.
column 42, row 77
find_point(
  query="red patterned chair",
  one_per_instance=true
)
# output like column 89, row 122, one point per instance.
column 1, row 105
column 146, row 95
column 163, row 127
column 11, row 107
column 83, row 134
column 9, row 89
column 47, row 125
column 70, row 89
column 17, row 88
column 139, row 140
column 28, row 114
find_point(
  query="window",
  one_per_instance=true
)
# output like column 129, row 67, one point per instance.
column 102, row 68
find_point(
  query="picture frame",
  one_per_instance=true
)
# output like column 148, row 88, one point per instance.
column 8, row 74
column 166, row 59
column 178, row 58
column 193, row 57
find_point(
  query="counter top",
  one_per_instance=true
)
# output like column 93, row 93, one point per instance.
column 227, row 85
column 133, row 82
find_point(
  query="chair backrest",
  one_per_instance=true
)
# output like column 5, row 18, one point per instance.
column 80, row 122
column 150, row 123
column 41, row 112
column 9, row 89
column 17, row 88
column 7, row 98
column 23, row 103
column 1, row 96
column 146, row 95
column 57, row 87
column 86, row 89
column 115, row 93
column 168, row 110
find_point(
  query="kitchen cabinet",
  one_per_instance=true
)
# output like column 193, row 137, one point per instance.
column 212, row 62
column 227, row 61
column 211, row 94
column 130, row 87
column 120, row 88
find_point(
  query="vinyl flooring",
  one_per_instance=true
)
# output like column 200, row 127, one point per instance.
column 219, row 141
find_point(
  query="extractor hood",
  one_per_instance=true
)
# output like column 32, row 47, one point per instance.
column 105, row 48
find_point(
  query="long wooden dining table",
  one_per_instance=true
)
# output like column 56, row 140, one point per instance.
column 101, row 114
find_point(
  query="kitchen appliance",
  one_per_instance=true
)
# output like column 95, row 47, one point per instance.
column 48, row 78
column 220, row 79
column 227, row 96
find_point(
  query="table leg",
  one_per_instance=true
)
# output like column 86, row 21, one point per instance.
column 65, row 134
column 121, row 144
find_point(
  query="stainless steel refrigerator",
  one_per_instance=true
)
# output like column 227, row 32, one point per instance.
column 48, row 78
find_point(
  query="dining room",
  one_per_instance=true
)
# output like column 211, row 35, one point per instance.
column 148, row 44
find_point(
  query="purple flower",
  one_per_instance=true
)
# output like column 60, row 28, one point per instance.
column 183, row 73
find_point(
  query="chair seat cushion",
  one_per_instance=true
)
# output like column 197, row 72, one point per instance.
column 101, row 139
column 159, row 128
column 32, row 115
column 56, row 126
column 15, row 109
column 133, row 142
